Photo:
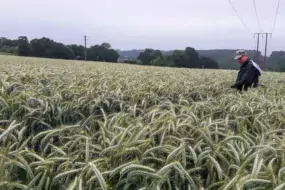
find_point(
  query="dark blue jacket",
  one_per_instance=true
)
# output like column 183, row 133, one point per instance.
column 248, row 76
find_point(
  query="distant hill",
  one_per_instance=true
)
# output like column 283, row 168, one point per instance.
column 276, row 61
column 223, row 56
column 132, row 54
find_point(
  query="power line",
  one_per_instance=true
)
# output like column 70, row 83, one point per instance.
column 266, row 43
column 233, row 7
column 258, row 21
column 256, row 45
column 276, row 15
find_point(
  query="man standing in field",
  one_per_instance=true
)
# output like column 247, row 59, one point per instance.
column 249, row 73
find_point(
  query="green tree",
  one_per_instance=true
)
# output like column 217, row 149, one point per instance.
column 46, row 47
column 131, row 61
column 61, row 51
column 106, row 45
column 111, row 55
column 209, row 63
column 281, row 65
column 192, row 58
column 41, row 47
column 95, row 53
column 158, row 62
column 188, row 58
column 101, row 53
column 78, row 50
column 179, row 59
column 24, row 48
column 276, row 61
column 148, row 55
column 5, row 42
column 9, row 50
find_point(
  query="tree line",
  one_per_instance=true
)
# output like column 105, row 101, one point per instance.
column 275, row 62
column 47, row 48
column 188, row 58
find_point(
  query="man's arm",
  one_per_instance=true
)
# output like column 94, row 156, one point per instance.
column 237, row 79
column 246, row 76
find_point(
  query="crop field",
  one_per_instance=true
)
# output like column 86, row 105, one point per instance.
column 76, row 125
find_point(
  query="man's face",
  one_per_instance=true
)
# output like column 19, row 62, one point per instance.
column 242, row 59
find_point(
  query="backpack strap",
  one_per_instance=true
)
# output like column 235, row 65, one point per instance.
column 257, row 67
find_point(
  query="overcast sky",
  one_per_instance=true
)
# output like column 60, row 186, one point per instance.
column 130, row 24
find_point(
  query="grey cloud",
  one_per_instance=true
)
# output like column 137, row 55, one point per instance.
column 127, row 24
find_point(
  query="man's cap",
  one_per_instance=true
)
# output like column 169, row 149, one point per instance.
column 240, row 53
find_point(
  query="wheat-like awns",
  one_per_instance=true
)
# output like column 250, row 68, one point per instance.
column 112, row 126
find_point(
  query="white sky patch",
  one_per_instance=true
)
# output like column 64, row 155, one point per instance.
column 130, row 24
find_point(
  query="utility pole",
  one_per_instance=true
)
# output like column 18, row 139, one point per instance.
column 265, row 59
column 265, row 53
column 257, row 48
column 85, row 52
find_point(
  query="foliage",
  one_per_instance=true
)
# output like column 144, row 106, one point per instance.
column 88, row 126
column 24, row 48
column 78, row 50
column 158, row 62
column 188, row 58
column 281, row 65
column 8, row 46
column 8, row 42
column 133, row 61
column 101, row 53
column 46, row 47
column 224, row 57
column 277, row 61
column 9, row 50
column 148, row 55
column 209, row 63
column 106, row 45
